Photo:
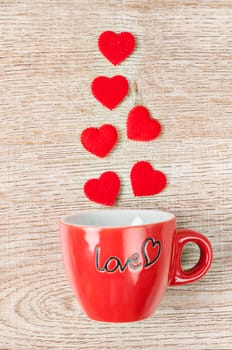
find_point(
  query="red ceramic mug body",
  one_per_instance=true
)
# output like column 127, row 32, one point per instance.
column 119, row 262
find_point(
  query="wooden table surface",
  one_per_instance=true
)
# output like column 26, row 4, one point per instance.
column 181, row 70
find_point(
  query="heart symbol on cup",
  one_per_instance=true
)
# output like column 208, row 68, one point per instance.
column 151, row 251
column 103, row 190
column 110, row 91
column 141, row 126
column 99, row 141
column 116, row 47
column 145, row 180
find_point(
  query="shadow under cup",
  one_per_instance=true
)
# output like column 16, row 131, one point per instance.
column 119, row 262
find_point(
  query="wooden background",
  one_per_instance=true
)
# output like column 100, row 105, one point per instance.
column 182, row 71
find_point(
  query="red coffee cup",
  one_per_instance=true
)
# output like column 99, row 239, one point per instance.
column 119, row 262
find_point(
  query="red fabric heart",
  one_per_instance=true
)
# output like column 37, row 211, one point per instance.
column 110, row 91
column 103, row 190
column 145, row 180
column 99, row 141
column 140, row 125
column 116, row 47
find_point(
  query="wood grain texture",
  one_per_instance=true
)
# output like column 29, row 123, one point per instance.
column 181, row 70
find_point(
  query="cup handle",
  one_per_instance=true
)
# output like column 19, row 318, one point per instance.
column 178, row 275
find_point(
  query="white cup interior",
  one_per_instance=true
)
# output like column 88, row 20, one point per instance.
column 117, row 217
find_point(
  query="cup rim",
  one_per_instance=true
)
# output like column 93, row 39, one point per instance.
column 63, row 220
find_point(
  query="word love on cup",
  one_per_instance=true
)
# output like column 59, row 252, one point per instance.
column 134, row 262
column 119, row 262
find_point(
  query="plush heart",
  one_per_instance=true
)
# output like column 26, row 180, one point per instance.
column 141, row 126
column 99, row 141
column 145, row 180
column 110, row 91
column 103, row 190
column 116, row 47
